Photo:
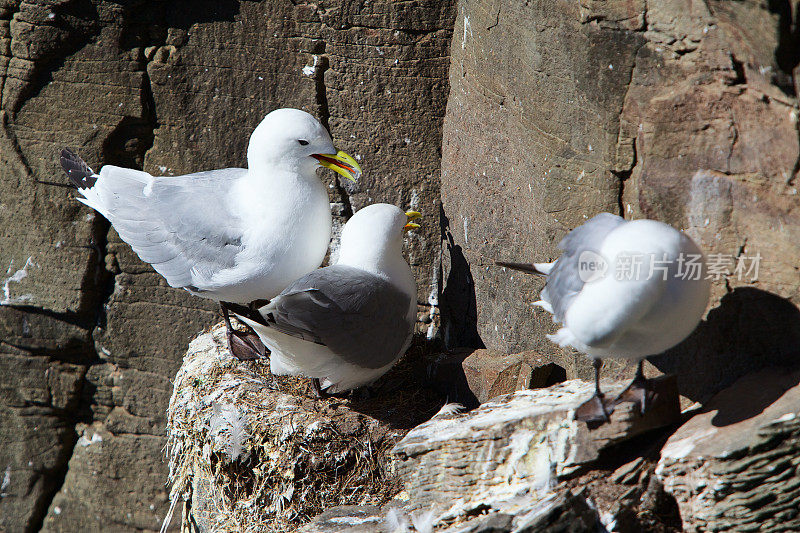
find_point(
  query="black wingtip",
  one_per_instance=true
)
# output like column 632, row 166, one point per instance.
column 78, row 172
column 528, row 268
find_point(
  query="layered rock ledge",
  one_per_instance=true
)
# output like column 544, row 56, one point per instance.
column 251, row 452
column 735, row 466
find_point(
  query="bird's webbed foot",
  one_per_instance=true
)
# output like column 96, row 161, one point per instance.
column 640, row 392
column 596, row 410
column 245, row 346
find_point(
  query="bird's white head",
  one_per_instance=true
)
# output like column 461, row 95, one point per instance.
column 295, row 140
column 374, row 236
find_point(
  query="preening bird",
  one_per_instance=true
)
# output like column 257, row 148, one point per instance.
column 347, row 324
column 626, row 289
column 232, row 235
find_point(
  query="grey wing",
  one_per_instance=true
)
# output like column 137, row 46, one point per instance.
column 182, row 225
column 360, row 317
column 564, row 281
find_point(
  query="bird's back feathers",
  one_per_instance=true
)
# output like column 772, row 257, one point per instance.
column 180, row 225
column 360, row 317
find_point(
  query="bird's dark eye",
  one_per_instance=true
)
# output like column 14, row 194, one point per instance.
column 302, row 142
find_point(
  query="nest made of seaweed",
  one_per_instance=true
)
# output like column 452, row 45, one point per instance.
column 269, row 456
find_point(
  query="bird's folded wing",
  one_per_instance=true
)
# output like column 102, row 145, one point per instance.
column 564, row 281
column 181, row 225
column 359, row 316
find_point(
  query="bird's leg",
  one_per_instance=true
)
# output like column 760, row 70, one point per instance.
column 316, row 387
column 595, row 409
column 243, row 346
column 639, row 391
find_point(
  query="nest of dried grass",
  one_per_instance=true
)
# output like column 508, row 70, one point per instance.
column 251, row 453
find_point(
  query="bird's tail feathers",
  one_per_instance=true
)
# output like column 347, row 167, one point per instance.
column 563, row 337
column 78, row 172
column 540, row 269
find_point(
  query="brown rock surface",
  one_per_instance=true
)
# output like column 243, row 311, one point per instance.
column 735, row 466
column 474, row 377
column 170, row 87
column 492, row 374
column 673, row 110
column 520, row 463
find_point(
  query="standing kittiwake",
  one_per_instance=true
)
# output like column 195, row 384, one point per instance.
column 345, row 325
column 232, row 235
column 626, row 289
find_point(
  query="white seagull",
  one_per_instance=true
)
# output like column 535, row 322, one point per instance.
column 232, row 235
column 626, row 289
column 347, row 324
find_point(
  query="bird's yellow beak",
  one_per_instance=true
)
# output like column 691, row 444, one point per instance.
column 412, row 215
column 340, row 163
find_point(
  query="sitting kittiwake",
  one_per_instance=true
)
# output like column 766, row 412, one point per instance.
column 626, row 289
column 232, row 235
column 346, row 324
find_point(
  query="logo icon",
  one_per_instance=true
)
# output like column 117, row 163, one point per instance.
column 591, row 266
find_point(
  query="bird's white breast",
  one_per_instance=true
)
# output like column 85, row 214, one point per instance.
column 288, row 227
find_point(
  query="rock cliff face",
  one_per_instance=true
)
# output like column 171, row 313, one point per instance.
column 681, row 111
column 89, row 335
column 736, row 465
column 541, row 114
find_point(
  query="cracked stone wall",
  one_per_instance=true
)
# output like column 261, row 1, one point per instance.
column 676, row 110
column 90, row 336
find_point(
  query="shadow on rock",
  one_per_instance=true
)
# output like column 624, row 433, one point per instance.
column 458, row 304
column 184, row 14
column 405, row 396
column 751, row 329
column 446, row 375
column 752, row 395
